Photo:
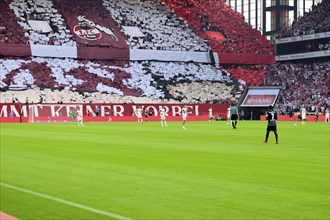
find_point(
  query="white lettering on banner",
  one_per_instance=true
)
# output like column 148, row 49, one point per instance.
column 89, row 110
column 14, row 110
column 36, row 110
column 118, row 110
column 155, row 111
column 196, row 110
column 68, row 109
column 4, row 112
column 191, row 108
column 24, row 111
column 134, row 107
column 103, row 110
column 54, row 110
column 167, row 109
column 176, row 110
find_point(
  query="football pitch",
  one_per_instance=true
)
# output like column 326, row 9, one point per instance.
column 144, row 171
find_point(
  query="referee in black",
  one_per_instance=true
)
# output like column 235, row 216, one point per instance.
column 271, row 117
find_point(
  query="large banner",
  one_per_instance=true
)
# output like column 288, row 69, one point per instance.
column 17, row 110
column 90, row 28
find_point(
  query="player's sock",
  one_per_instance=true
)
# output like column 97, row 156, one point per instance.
column 276, row 137
column 267, row 135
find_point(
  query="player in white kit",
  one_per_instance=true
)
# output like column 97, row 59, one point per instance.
column 210, row 114
column 138, row 113
column 303, row 114
column 327, row 115
column 228, row 115
column 162, row 113
column 79, row 118
column 184, row 114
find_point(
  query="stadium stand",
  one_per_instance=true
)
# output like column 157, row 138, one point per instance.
column 316, row 21
column 303, row 84
column 249, row 75
column 154, row 26
column 225, row 29
column 10, row 31
column 146, row 79
column 42, row 22
column 169, row 25
column 230, row 36
column 303, row 70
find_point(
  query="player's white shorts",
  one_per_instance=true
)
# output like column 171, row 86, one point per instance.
column 79, row 118
column 303, row 117
column 184, row 117
column 162, row 117
column 139, row 116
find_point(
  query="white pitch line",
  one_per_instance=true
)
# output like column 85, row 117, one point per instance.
column 109, row 214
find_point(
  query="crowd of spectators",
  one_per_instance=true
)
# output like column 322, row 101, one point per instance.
column 303, row 84
column 202, row 92
column 10, row 31
column 248, row 75
column 304, row 47
column 41, row 10
column 136, row 79
column 315, row 21
column 161, row 28
column 210, row 15
column 169, row 25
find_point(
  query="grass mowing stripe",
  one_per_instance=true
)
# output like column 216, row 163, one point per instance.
column 109, row 214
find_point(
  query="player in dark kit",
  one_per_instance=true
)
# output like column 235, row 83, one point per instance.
column 233, row 115
column 271, row 117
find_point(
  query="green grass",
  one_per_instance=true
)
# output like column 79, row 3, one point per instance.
column 208, row 171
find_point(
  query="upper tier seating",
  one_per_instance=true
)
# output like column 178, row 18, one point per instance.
column 42, row 10
column 10, row 31
column 316, row 21
column 162, row 29
column 212, row 15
